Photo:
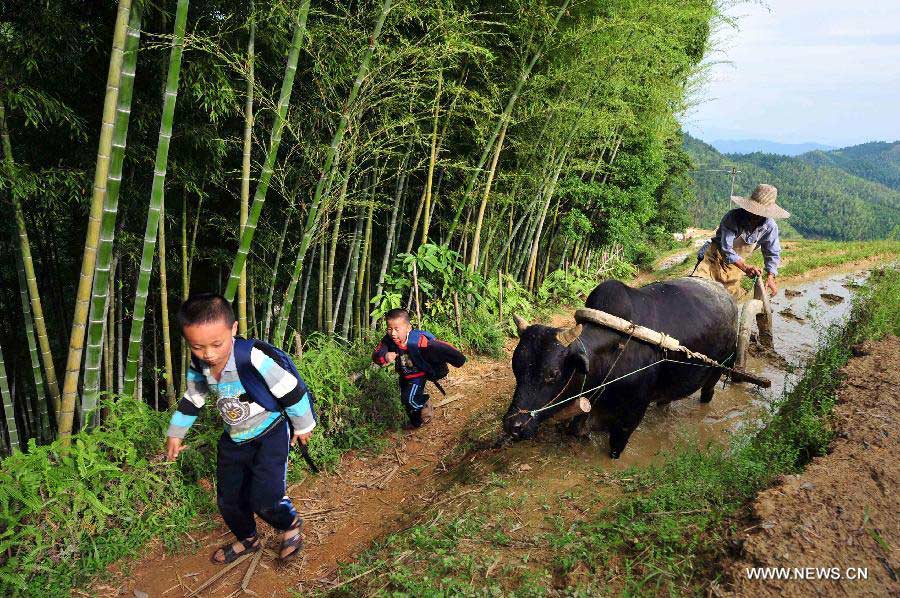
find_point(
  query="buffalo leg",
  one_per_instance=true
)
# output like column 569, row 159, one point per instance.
column 620, row 430
column 580, row 426
column 709, row 387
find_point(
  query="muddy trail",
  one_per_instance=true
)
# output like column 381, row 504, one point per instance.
column 842, row 511
column 451, row 460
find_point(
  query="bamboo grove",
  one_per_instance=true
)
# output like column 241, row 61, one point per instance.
column 318, row 163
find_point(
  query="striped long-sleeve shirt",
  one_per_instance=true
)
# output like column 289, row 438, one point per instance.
column 244, row 418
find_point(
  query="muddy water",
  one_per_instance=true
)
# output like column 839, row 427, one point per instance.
column 800, row 313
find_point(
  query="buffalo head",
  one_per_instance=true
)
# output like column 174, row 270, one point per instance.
column 548, row 364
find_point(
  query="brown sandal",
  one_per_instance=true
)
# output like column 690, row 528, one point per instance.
column 251, row 544
column 295, row 542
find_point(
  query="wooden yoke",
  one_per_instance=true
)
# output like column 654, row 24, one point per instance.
column 653, row 337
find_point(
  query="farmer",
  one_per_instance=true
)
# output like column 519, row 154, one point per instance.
column 418, row 357
column 724, row 258
column 267, row 409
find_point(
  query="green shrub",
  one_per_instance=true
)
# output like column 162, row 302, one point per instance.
column 66, row 515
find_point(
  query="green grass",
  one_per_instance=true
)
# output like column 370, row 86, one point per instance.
column 668, row 525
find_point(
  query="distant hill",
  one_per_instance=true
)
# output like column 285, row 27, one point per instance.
column 829, row 194
column 751, row 146
column 876, row 161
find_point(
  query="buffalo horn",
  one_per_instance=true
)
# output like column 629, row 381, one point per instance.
column 567, row 337
column 521, row 323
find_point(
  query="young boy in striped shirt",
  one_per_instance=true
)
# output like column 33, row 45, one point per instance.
column 266, row 407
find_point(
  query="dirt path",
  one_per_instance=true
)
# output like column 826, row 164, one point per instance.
column 843, row 511
column 345, row 512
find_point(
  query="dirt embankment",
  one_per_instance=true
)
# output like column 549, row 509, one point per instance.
column 843, row 512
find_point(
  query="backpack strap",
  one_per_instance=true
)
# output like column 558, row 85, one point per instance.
column 251, row 379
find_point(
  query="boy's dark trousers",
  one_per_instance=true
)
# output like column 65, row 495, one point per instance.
column 251, row 478
column 413, row 397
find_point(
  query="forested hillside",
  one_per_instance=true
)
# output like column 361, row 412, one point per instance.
column 876, row 161
column 826, row 199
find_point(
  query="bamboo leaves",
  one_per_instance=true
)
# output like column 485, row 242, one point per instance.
column 312, row 216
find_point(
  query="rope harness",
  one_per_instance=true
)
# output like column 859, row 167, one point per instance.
column 665, row 343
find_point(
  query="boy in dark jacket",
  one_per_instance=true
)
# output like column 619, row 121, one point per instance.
column 418, row 357
column 266, row 407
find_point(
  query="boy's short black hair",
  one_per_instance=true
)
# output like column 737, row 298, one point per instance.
column 396, row 314
column 202, row 308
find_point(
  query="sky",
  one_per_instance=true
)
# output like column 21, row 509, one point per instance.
column 796, row 71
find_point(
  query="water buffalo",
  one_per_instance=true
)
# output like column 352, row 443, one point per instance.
column 551, row 364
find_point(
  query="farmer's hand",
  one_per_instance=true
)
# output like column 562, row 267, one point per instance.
column 771, row 285
column 749, row 270
column 303, row 438
column 173, row 447
column 390, row 357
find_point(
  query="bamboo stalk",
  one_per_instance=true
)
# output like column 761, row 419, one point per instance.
column 330, row 314
column 34, row 296
column 308, row 277
column 157, row 193
column 245, row 168
column 416, row 294
column 8, row 411
column 354, row 266
column 367, row 243
column 500, row 295
column 168, row 374
column 476, row 239
column 389, row 235
column 262, row 187
column 39, row 386
column 92, row 237
column 274, row 277
column 102, row 250
column 432, row 159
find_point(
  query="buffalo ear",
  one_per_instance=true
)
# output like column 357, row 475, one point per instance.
column 579, row 360
column 521, row 323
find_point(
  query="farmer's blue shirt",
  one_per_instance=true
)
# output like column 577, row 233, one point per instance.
column 736, row 223
column 245, row 419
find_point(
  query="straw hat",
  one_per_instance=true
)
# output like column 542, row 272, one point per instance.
column 762, row 202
